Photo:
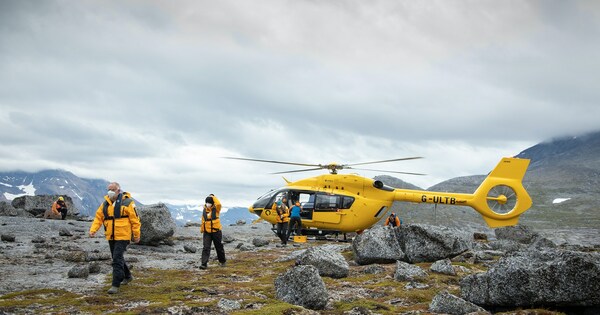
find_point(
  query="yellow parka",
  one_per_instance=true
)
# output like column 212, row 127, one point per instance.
column 55, row 207
column 128, row 223
column 282, row 214
column 211, row 221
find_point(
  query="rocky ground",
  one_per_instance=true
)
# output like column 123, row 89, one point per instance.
column 35, row 268
column 25, row 264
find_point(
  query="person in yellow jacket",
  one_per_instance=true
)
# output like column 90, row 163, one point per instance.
column 56, row 211
column 281, row 210
column 211, row 231
column 393, row 220
column 120, row 220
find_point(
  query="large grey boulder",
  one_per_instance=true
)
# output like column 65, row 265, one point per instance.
column 377, row 245
column 329, row 263
column 447, row 303
column 519, row 233
column 37, row 205
column 157, row 224
column 428, row 243
column 529, row 278
column 302, row 285
column 6, row 209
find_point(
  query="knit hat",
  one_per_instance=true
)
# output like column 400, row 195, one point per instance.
column 209, row 199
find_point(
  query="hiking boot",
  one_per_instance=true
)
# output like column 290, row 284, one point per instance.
column 203, row 266
column 127, row 280
column 223, row 264
column 113, row 290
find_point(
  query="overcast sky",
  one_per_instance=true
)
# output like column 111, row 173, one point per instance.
column 152, row 93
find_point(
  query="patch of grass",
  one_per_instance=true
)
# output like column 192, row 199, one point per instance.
column 34, row 296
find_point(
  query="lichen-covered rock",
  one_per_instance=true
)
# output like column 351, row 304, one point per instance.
column 228, row 305
column 189, row 248
column 79, row 272
column 548, row 277
column 519, row 233
column 428, row 243
column 329, row 263
column 94, row 267
column 443, row 266
column 408, row 272
column 374, row 269
column 376, row 245
column 64, row 232
column 447, row 303
column 260, row 241
column 302, row 285
column 157, row 224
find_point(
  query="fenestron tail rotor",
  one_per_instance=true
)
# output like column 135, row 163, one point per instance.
column 332, row 167
column 501, row 199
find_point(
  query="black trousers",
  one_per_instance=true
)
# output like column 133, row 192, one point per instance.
column 63, row 212
column 215, row 238
column 120, row 269
column 295, row 221
column 282, row 232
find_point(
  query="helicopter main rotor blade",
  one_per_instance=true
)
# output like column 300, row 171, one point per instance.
column 269, row 161
column 297, row 171
column 384, row 161
column 385, row 171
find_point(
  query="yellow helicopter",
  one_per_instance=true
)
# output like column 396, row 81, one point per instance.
column 341, row 203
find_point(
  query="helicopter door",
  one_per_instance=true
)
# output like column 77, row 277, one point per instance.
column 307, row 203
column 327, row 208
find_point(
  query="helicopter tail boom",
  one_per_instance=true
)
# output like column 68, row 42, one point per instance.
column 500, row 199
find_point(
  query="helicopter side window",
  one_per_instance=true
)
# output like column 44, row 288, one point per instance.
column 327, row 202
column 347, row 202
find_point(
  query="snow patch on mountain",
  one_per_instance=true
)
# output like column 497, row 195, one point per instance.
column 28, row 190
column 560, row 200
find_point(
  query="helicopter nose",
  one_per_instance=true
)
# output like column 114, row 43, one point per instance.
column 257, row 212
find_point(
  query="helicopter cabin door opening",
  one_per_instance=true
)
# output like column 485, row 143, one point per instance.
column 322, row 207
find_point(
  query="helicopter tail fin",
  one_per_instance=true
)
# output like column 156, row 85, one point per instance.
column 501, row 197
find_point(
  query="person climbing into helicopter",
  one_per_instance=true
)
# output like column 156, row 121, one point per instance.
column 283, row 217
column 295, row 219
column 393, row 220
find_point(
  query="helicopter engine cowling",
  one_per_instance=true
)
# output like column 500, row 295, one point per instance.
column 380, row 185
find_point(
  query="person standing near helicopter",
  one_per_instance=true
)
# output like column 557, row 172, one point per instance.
column 283, row 217
column 393, row 220
column 211, row 231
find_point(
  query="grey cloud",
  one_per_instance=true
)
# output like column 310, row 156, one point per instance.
column 308, row 81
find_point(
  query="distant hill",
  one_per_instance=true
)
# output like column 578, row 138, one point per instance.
column 86, row 193
column 190, row 213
